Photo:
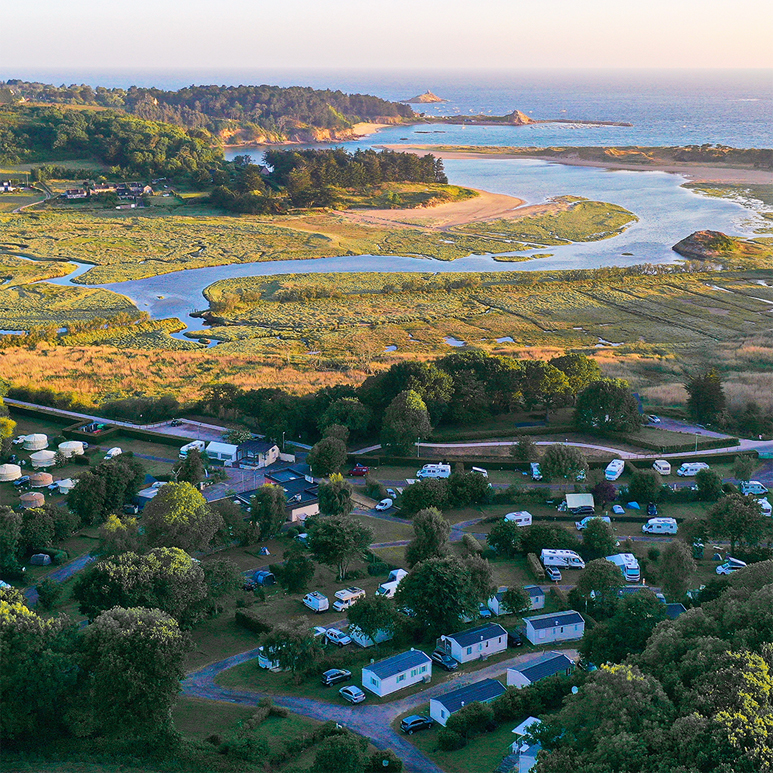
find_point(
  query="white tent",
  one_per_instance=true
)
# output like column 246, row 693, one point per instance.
column 43, row 459
column 66, row 485
column 10, row 471
column 36, row 442
column 71, row 448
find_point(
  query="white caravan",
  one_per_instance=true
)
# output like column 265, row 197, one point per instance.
column 520, row 518
column 434, row 471
column 628, row 565
column 614, row 469
column 198, row 445
column 660, row 526
column 567, row 558
column 662, row 467
column 688, row 469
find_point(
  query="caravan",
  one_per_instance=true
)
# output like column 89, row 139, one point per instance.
column 614, row 469
column 688, row 469
column 520, row 518
column 662, row 467
column 628, row 565
column 567, row 558
column 434, row 471
column 198, row 445
column 660, row 526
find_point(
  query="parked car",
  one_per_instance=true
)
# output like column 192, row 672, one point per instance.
column 484, row 611
column 514, row 638
column 391, row 493
column 653, row 419
column 335, row 675
column 22, row 482
column 446, row 662
column 335, row 636
column 17, row 441
column 352, row 694
column 553, row 573
column 359, row 470
column 416, row 722
column 536, row 472
column 652, row 509
column 384, row 504
column 730, row 566
column 176, row 423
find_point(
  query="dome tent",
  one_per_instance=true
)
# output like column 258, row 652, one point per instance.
column 41, row 479
column 36, row 442
column 43, row 459
column 71, row 448
column 10, row 472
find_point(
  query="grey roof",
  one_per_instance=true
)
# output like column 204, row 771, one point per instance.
column 544, row 665
column 534, row 591
column 540, row 622
column 483, row 691
column 383, row 669
column 475, row 635
column 256, row 446
column 674, row 610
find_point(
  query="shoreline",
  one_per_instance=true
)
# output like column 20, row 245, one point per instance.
column 358, row 131
column 698, row 173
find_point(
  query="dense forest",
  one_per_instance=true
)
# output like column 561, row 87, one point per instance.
column 241, row 112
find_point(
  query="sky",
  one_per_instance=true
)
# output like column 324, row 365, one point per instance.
column 383, row 34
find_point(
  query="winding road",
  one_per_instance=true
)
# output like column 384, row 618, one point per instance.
column 371, row 721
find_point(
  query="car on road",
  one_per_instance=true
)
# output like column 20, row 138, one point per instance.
column 22, row 482
column 514, row 638
column 446, row 662
column 359, row 470
column 652, row 419
column 416, row 722
column 176, row 423
column 335, row 675
column 553, row 574
column 335, row 636
column 652, row 509
column 484, row 611
column 391, row 493
column 352, row 694
column 384, row 504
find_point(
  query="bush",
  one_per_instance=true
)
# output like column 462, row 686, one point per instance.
column 385, row 761
column 535, row 566
column 82, row 460
column 375, row 489
column 653, row 554
column 474, row 718
column 377, row 569
column 252, row 621
column 473, row 546
column 488, row 554
column 246, row 748
column 49, row 592
column 508, row 496
column 450, row 740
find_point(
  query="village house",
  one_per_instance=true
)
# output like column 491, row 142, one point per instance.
column 301, row 491
column 476, row 643
column 556, row 626
column 396, row 673
column 257, row 453
column 441, row 708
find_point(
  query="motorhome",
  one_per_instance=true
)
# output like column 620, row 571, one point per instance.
column 434, row 471
column 660, row 526
column 480, row 471
column 316, row 602
column 582, row 525
column 567, row 558
column 520, row 518
column 753, row 487
column 614, row 469
column 198, row 445
column 347, row 597
column 628, row 565
column 765, row 506
column 662, row 467
column 688, row 469
column 389, row 587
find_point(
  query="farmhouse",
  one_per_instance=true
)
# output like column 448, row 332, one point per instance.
column 257, row 453
column 395, row 673
column 557, row 626
column 530, row 671
column 480, row 642
column 441, row 708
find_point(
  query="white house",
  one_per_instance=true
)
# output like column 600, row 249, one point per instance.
column 526, row 750
column 495, row 602
column 395, row 673
column 222, row 452
column 536, row 596
column 257, row 453
column 557, row 626
column 534, row 669
column 441, row 708
column 475, row 643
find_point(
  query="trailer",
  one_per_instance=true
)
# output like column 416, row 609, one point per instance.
column 565, row 558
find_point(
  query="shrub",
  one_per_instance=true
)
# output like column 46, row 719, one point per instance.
column 49, row 592
column 450, row 740
column 473, row 546
column 377, row 569
column 561, row 596
column 82, row 460
column 536, row 567
column 474, row 718
column 252, row 621
column 653, row 554
column 246, row 748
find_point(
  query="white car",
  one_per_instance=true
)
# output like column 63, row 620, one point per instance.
column 17, row 441
column 337, row 637
column 731, row 565
column 352, row 694
column 618, row 509
column 113, row 452
column 384, row 504
column 653, row 419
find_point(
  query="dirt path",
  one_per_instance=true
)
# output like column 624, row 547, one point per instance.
column 485, row 206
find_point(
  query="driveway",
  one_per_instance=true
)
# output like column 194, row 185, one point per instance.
column 60, row 575
column 371, row 721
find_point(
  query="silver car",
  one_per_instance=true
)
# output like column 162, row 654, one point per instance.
column 352, row 694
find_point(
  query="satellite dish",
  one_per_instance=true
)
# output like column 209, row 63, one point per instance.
column 575, row 690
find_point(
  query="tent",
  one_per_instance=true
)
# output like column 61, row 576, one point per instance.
column 41, row 479
column 66, row 485
column 43, row 459
column 36, row 442
column 10, row 472
column 32, row 499
column 71, row 448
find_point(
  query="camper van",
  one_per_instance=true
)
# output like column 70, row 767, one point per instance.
column 753, row 487
column 660, row 526
column 662, row 467
column 434, row 471
column 614, row 469
column 113, row 452
column 765, row 506
column 688, row 469
column 730, row 566
column 316, row 602
column 521, row 518
column 628, row 565
column 581, row 525
column 347, row 597
column 389, row 588
column 567, row 558
column 198, row 445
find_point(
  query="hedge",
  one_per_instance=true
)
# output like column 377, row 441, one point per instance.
column 473, row 546
column 252, row 621
column 536, row 567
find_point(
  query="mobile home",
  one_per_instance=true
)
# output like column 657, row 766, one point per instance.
column 475, row 643
column 396, row 673
column 539, row 667
column 553, row 627
column 441, row 708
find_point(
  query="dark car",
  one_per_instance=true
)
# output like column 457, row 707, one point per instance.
column 22, row 482
column 359, row 470
column 652, row 509
column 335, row 675
column 415, row 722
column 176, row 423
column 514, row 639
column 446, row 662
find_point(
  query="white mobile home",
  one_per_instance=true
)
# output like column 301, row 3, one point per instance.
column 530, row 671
column 395, row 673
column 480, row 642
column 222, row 452
column 495, row 602
column 536, row 595
column 441, row 708
column 558, row 626
column 198, row 445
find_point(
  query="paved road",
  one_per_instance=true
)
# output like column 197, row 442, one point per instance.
column 60, row 575
column 46, row 196
column 372, row 721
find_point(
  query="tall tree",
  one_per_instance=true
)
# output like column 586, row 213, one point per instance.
column 297, row 571
column 373, row 614
column 327, row 456
column 598, row 539
column 336, row 541
column 119, row 535
column 431, row 531
column 516, row 600
column 430, row 492
column 191, row 469
column 598, row 584
column 335, row 496
column 505, row 538
column 179, row 517
column 524, row 449
column 579, row 369
column 706, row 397
column 406, row 420
column 563, row 462
column 607, row 405
column 268, row 509
column 676, row 569
column 709, row 485
column 739, row 519
column 292, row 646
column 645, row 486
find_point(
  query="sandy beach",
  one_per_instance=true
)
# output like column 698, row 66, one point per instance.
column 701, row 173
column 485, row 206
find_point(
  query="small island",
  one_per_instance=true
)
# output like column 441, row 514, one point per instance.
column 426, row 98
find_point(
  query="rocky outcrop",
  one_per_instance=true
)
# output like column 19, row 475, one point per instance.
column 517, row 118
column 426, row 98
column 710, row 245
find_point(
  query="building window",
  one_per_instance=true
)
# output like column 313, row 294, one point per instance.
column 400, row 678
column 414, row 672
column 422, row 669
column 562, row 629
column 469, row 650
column 442, row 713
